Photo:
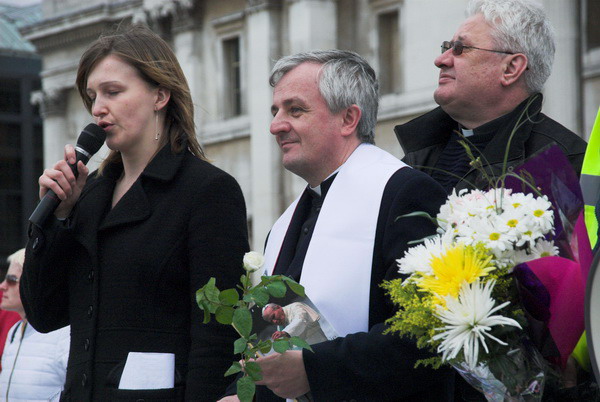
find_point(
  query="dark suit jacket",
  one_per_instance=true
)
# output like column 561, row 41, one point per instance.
column 125, row 278
column 372, row 366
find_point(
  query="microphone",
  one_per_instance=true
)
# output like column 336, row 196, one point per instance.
column 89, row 142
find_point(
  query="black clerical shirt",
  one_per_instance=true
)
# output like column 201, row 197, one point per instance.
column 302, row 226
column 454, row 163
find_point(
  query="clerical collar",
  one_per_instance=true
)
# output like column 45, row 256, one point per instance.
column 322, row 188
column 466, row 132
column 492, row 127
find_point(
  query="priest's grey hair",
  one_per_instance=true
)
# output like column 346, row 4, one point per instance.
column 345, row 79
column 270, row 305
column 521, row 26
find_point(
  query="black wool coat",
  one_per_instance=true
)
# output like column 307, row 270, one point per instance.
column 424, row 138
column 125, row 278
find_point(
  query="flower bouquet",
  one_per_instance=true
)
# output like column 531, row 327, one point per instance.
column 487, row 293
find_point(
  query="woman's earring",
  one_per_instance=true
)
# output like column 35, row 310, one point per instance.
column 156, row 125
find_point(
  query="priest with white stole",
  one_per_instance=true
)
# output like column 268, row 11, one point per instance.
column 340, row 238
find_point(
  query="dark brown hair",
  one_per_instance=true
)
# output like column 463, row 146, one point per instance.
column 156, row 63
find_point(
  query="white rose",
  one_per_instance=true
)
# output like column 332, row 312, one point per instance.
column 253, row 261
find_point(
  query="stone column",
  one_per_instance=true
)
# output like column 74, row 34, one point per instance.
column 312, row 25
column 187, row 42
column 53, row 107
column 562, row 93
column 264, row 39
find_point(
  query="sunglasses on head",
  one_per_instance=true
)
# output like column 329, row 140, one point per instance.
column 11, row 279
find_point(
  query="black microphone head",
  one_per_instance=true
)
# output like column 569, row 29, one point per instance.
column 91, row 138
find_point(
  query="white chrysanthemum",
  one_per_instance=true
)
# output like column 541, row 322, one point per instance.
column 544, row 248
column 468, row 319
column 460, row 208
column 521, row 256
column 418, row 258
column 541, row 212
column 489, row 232
column 518, row 201
column 530, row 235
column 514, row 221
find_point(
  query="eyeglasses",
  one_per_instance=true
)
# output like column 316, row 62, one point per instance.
column 458, row 47
column 11, row 279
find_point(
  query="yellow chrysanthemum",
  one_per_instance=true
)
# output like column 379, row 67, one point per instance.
column 458, row 264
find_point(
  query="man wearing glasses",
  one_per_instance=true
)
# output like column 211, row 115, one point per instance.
column 491, row 72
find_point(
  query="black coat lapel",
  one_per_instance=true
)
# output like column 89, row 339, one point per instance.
column 132, row 207
column 95, row 201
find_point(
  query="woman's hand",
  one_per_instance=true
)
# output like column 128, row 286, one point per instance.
column 62, row 181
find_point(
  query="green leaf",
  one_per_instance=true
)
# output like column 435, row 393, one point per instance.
column 259, row 295
column 246, row 389
column 281, row 345
column 224, row 315
column 229, row 297
column 236, row 367
column 206, row 317
column 240, row 345
column 421, row 214
column 294, row 340
column 243, row 280
column 296, row 287
column 200, row 297
column 210, row 291
column 242, row 321
column 264, row 347
column 253, row 370
column 276, row 289
column 208, row 306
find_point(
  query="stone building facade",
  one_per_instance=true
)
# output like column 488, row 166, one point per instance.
column 227, row 49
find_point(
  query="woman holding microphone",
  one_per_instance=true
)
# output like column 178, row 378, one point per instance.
column 129, row 245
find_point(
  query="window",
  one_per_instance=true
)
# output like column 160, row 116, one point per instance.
column 388, row 33
column 592, row 28
column 10, row 95
column 233, row 84
column 21, row 159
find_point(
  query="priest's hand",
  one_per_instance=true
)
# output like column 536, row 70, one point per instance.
column 284, row 374
column 279, row 334
column 230, row 398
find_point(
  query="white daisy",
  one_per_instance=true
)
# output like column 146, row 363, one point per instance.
column 544, row 248
column 469, row 320
column 541, row 212
column 490, row 233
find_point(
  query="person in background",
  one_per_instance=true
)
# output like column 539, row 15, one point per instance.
column 123, row 255
column 294, row 319
column 7, row 320
column 34, row 365
column 491, row 76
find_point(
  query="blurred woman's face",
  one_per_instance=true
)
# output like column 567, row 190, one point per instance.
column 124, row 105
column 11, row 298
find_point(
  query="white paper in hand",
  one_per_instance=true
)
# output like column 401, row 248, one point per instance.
column 148, row 371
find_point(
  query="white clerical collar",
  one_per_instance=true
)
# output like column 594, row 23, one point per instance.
column 317, row 189
column 466, row 132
